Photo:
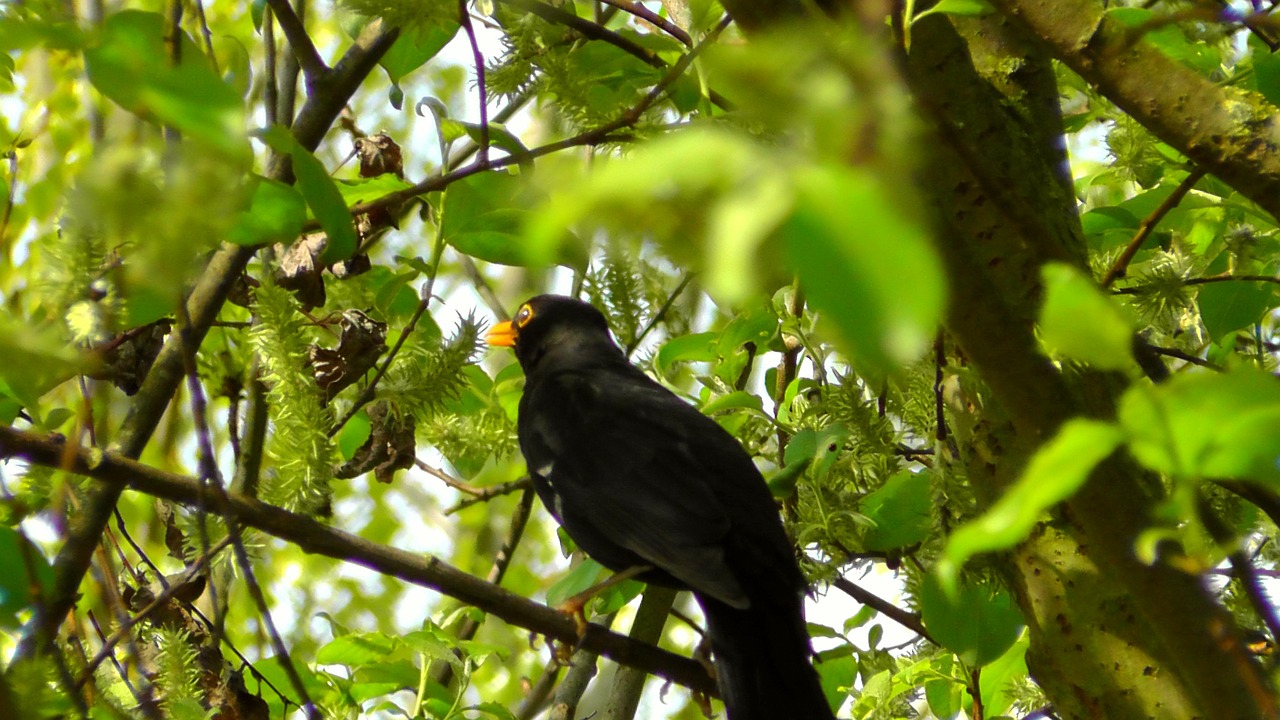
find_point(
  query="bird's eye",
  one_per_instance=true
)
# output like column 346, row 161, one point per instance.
column 523, row 316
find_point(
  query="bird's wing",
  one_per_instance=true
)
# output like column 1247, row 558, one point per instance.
column 632, row 466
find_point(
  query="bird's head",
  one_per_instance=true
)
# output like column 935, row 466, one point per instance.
column 554, row 326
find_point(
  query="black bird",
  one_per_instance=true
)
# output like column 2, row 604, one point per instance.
column 638, row 477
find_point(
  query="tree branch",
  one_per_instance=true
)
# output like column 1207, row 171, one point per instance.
column 315, row 537
column 1228, row 131
column 313, row 66
column 203, row 304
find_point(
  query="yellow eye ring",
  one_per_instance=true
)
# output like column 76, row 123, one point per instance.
column 523, row 316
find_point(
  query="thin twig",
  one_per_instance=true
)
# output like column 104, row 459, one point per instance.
column 206, row 35
column 211, row 483
column 661, row 314
column 652, row 18
column 166, row 594
column 489, row 493
column 1186, row 357
column 481, row 90
column 1207, row 280
column 501, row 561
column 448, row 479
column 1149, row 224
column 884, row 607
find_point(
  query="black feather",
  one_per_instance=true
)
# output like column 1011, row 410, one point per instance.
column 637, row 476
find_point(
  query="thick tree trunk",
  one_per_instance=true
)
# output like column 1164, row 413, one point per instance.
column 1110, row 637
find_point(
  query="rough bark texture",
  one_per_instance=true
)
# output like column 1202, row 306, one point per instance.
column 1110, row 636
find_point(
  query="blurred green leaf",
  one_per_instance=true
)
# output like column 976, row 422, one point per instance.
column 354, row 434
column 130, row 65
column 1200, row 425
column 1054, row 473
column 977, row 622
column 1079, row 322
column 856, row 251
column 483, row 216
column 22, row 569
column 1001, row 681
column 962, row 8
column 1266, row 76
column 735, row 400
column 901, row 511
column 36, row 359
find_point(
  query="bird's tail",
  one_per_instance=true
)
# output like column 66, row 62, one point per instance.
column 762, row 662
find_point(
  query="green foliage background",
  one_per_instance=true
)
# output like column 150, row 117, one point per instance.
column 751, row 210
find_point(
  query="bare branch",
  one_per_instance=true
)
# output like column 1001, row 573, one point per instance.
column 315, row 537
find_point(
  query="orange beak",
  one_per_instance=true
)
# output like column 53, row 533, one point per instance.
column 502, row 335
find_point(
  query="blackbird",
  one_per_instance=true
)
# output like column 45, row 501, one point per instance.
column 641, row 479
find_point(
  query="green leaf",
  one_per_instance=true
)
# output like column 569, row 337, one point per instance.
column 857, row 252
column 321, row 193
column 900, row 510
column 383, row 678
column 945, row 697
column 698, row 347
column 615, row 597
column 1054, row 473
column 415, row 46
column 977, row 622
column 737, row 400
column 582, row 577
column 1228, row 306
column 276, row 214
column 1079, row 322
column 837, row 675
column 356, row 649
column 1266, row 75
column 483, row 216
column 434, row 645
column 366, row 189
column 1201, row 425
column 130, row 65
column 36, row 359
column 1000, row 683
column 962, row 8
column 22, row 569
column 499, row 136
column 354, row 434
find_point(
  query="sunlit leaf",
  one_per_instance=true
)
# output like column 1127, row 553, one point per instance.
column 1229, row 306
column 1079, row 322
column 276, row 214
column 321, row 193
column 901, row 511
column 976, row 622
column 1207, row 425
column 856, row 249
column 130, row 64
column 1053, row 475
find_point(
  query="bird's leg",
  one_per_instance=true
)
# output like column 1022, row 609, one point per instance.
column 574, row 605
